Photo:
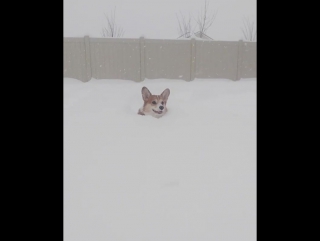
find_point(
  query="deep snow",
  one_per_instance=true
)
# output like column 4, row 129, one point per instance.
column 190, row 175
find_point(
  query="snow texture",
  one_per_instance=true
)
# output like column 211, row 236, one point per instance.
column 188, row 176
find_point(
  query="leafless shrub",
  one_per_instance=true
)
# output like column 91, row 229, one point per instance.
column 205, row 20
column 249, row 30
column 185, row 26
column 112, row 30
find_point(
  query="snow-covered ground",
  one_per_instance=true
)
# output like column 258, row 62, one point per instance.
column 190, row 175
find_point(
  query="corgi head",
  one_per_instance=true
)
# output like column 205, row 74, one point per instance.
column 154, row 105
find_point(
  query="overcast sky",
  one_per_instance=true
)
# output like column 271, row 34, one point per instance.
column 154, row 18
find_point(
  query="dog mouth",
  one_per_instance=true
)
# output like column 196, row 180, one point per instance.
column 158, row 112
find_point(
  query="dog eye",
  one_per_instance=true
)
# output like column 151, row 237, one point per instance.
column 162, row 103
column 153, row 102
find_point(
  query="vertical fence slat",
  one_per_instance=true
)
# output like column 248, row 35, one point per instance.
column 193, row 59
column 88, row 58
column 142, row 60
column 239, row 59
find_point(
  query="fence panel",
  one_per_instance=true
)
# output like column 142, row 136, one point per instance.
column 74, row 58
column 169, row 59
column 115, row 58
column 216, row 59
column 137, row 59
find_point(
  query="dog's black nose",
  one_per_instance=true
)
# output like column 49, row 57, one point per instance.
column 161, row 107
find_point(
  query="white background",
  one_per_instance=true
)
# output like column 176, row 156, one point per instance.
column 154, row 18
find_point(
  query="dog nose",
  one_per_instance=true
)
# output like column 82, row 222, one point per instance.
column 161, row 107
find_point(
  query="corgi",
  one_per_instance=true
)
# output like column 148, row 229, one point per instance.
column 154, row 105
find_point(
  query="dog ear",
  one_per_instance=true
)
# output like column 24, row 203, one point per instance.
column 165, row 94
column 145, row 93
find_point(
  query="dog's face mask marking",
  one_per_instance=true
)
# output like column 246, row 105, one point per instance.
column 154, row 105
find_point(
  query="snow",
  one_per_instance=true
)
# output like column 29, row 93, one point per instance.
column 190, row 175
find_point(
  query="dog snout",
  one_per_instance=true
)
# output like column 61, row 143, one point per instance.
column 161, row 107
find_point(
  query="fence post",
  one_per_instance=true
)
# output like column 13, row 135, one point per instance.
column 88, row 58
column 142, row 60
column 193, row 59
column 239, row 60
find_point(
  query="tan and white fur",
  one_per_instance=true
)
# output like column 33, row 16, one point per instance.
column 154, row 105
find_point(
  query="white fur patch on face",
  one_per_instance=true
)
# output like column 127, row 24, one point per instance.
column 157, row 115
column 152, row 111
column 157, row 112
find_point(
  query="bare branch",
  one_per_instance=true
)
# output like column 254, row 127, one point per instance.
column 185, row 26
column 205, row 20
column 249, row 30
column 112, row 30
